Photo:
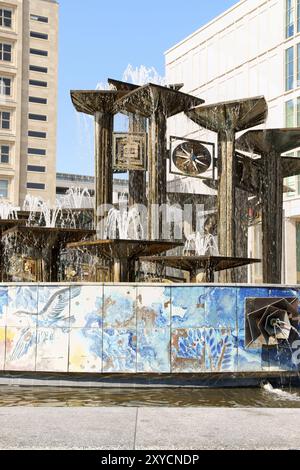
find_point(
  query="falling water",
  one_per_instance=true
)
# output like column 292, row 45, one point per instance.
column 77, row 198
column 8, row 211
column 201, row 245
column 142, row 75
column 124, row 224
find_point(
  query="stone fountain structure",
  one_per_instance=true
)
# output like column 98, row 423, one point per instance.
column 164, row 332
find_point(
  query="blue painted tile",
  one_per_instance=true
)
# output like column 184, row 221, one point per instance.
column 52, row 349
column 284, row 359
column 119, row 350
column 188, row 350
column 188, row 307
column 86, row 307
column 153, row 307
column 20, row 349
column 54, row 306
column 22, row 307
column 283, row 292
column 119, row 307
column 221, row 307
column 242, row 294
column 250, row 360
column 85, row 350
column 4, row 300
column 221, row 350
column 2, row 346
column 153, row 352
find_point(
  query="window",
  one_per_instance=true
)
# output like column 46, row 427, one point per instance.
column 5, row 52
column 5, row 120
column 4, row 188
column 36, row 168
column 39, row 135
column 289, row 69
column 35, row 186
column 38, row 52
column 35, row 34
column 38, row 83
column 4, row 154
column 33, row 151
column 5, row 18
column 5, row 86
column 41, row 19
column 36, row 68
column 289, row 113
column 37, row 117
column 289, row 18
column 35, row 99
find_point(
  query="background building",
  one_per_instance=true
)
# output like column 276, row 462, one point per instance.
column 28, row 98
column 252, row 49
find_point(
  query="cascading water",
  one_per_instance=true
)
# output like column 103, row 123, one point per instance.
column 201, row 245
column 8, row 211
column 77, row 198
column 124, row 224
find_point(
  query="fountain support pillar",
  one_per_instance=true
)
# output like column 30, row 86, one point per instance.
column 137, row 179
column 226, row 199
column 157, row 190
column 103, row 162
column 241, row 230
column 272, row 218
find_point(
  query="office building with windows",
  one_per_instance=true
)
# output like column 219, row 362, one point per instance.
column 28, row 99
column 252, row 49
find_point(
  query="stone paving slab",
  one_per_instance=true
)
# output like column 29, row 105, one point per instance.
column 120, row 428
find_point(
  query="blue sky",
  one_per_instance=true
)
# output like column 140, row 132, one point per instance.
column 98, row 39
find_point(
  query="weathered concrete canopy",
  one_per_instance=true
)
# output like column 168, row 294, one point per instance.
column 146, row 99
column 93, row 101
column 122, row 86
column 265, row 141
column 232, row 115
column 127, row 248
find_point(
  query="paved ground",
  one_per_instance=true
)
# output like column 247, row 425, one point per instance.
column 149, row 428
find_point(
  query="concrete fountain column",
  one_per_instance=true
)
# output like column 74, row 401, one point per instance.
column 104, row 127
column 137, row 179
column 100, row 104
column 157, row 103
column 270, row 172
column 227, row 119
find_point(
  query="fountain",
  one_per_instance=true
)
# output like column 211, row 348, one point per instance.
column 103, row 320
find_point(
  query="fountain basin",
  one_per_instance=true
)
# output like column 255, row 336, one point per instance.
column 137, row 329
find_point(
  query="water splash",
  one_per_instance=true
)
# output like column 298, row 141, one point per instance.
column 124, row 224
column 201, row 245
column 142, row 75
column 8, row 211
column 281, row 394
column 77, row 198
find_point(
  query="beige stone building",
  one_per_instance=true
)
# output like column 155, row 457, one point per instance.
column 28, row 99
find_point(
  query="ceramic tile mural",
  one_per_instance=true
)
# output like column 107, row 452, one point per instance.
column 129, row 329
column 188, row 307
column 221, row 307
column 3, row 305
column 153, row 307
column 119, row 350
column 52, row 349
column 54, row 306
column 86, row 307
column 2, row 347
column 188, row 350
column 119, row 307
column 153, row 350
column 20, row 345
column 85, row 353
column 22, row 308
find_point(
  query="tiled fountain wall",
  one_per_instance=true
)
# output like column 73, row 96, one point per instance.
column 130, row 329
